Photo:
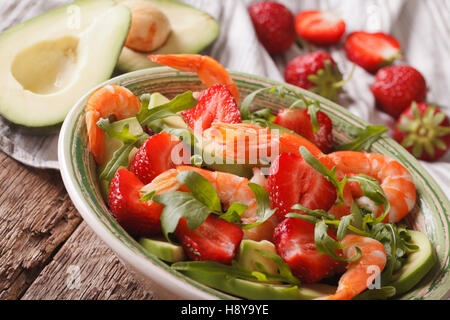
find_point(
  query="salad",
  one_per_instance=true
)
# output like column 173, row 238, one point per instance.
column 257, row 205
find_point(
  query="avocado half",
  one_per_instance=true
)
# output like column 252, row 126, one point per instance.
column 192, row 31
column 51, row 61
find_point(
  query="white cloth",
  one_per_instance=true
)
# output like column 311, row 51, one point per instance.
column 421, row 26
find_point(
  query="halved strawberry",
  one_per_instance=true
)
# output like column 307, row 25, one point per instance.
column 424, row 130
column 159, row 153
column 292, row 181
column 136, row 217
column 299, row 121
column 372, row 50
column 319, row 27
column 294, row 242
column 215, row 104
column 316, row 72
column 215, row 239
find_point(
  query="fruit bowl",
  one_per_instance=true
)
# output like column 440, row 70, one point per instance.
column 78, row 169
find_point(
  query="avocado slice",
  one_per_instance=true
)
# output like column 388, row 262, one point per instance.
column 249, row 258
column 417, row 264
column 163, row 250
column 50, row 61
column 192, row 31
column 113, row 144
column 261, row 291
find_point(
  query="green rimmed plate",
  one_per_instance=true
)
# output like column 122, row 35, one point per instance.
column 430, row 215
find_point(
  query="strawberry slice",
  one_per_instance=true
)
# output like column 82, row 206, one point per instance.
column 215, row 104
column 292, row 181
column 372, row 50
column 215, row 239
column 136, row 217
column 299, row 121
column 319, row 27
column 159, row 153
column 294, row 242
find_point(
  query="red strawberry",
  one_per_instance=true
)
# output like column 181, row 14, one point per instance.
column 274, row 25
column 299, row 121
column 316, row 72
column 159, row 153
column 136, row 217
column 292, row 180
column 214, row 104
column 423, row 130
column 319, row 27
column 294, row 241
column 215, row 239
column 396, row 87
column 372, row 50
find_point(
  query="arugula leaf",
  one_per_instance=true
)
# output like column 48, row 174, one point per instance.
column 148, row 195
column 179, row 205
column 263, row 210
column 377, row 294
column 330, row 175
column 364, row 138
column 284, row 269
column 247, row 102
column 181, row 102
column 315, row 213
column 201, row 189
column 234, row 212
column 125, row 136
column 312, row 111
column 344, row 224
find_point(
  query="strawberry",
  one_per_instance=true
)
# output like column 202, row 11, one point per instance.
column 274, row 25
column 157, row 155
column 372, row 50
column 316, row 72
column 319, row 27
column 424, row 130
column 294, row 242
column 299, row 121
column 214, row 104
column 292, row 180
column 215, row 239
column 396, row 87
column 136, row 217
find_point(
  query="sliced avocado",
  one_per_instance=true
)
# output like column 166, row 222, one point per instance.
column 50, row 61
column 163, row 250
column 417, row 264
column 192, row 31
column 158, row 99
column 261, row 291
column 113, row 144
column 249, row 258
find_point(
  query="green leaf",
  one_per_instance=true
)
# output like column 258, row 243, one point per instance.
column 318, row 213
column 304, row 217
column 125, row 136
column 284, row 269
column 312, row 111
column 364, row 139
column 324, row 243
column 184, row 101
column 330, row 175
column 377, row 294
column 263, row 210
column 201, row 189
column 148, row 195
column 179, row 205
column 344, row 224
column 234, row 212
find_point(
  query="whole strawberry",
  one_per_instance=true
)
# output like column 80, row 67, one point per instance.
column 372, row 51
column 316, row 72
column 274, row 25
column 396, row 87
column 424, row 130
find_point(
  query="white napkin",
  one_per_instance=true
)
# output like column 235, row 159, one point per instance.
column 421, row 27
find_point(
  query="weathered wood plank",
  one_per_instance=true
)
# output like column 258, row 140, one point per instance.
column 85, row 268
column 36, row 218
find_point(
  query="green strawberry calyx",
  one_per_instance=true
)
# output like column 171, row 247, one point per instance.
column 424, row 131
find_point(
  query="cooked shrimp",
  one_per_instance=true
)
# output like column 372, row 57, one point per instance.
column 230, row 188
column 110, row 100
column 245, row 143
column 209, row 70
column 394, row 179
column 359, row 273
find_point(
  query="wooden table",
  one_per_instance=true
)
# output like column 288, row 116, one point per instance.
column 46, row 250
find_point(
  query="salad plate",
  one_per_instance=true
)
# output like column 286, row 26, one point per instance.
column 78, row 170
